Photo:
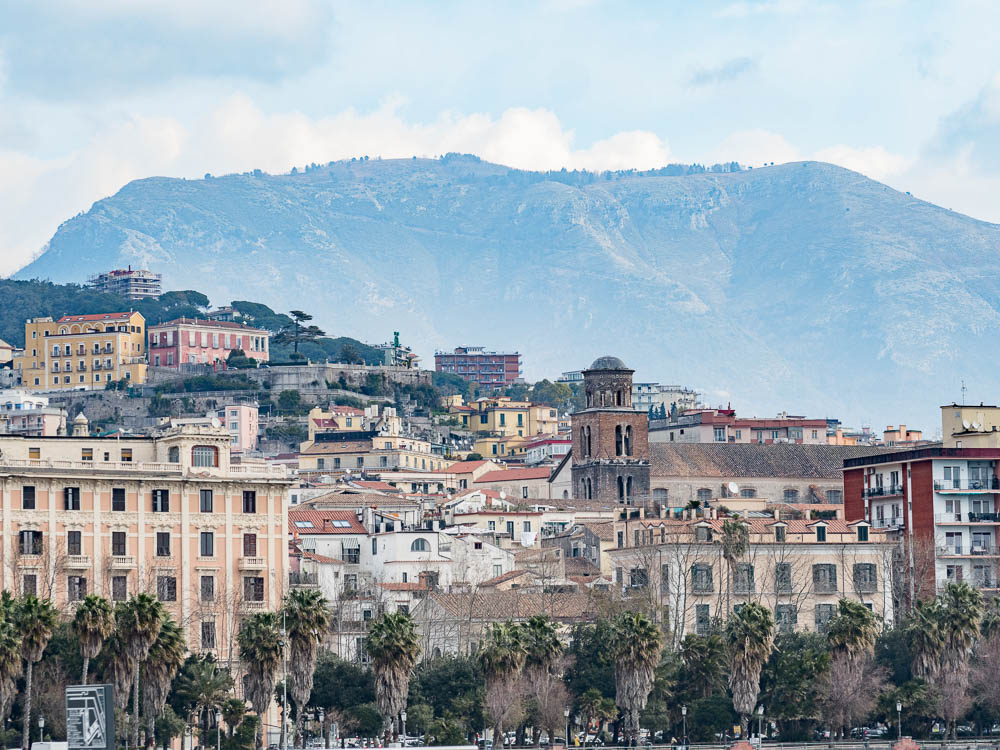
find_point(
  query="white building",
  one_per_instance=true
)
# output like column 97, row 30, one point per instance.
column 645, row 395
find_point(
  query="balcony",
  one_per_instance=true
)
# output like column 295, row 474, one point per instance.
column 948, row 518
column 122, row 562
column 970, row 486
column 253, row 563
column 303, row 579
column 888, row 523
column 825, row 587
column 76, row 562
column 984, row 517
column 252, row 606
column 976, row 550
column 889, row 491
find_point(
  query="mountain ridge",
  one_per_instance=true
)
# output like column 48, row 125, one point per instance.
column 802, row 286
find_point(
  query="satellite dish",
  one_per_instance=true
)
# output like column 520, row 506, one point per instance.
column 733, row 488
column 976, row 425
column 216, row 422
column 503, row 495
column 965, row 424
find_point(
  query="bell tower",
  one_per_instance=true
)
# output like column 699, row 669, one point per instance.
column 610, row 438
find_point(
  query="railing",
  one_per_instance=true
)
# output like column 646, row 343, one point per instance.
column 887, row 523
column 978, row 517
column 975, row 549
column 969, row 485
column 948, row 517
column 254, row 606
column 300, row 578
column 824, row 587
column 123, row 561
column 77, row 561
column 891, row 490
column 134, row 466
column 253, row 563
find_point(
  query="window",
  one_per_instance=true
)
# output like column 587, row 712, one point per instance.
column 374, row 546
column 720, row 434
column 166, row 588
column 76, row 588
column 665, row 578
column 71, row 498
column 361, row 462
column 249, row 501
column 527, row 526
column 207, row 545
column 35, row 454
column 119, row 588
column 161, row 501
column 638, row 578
column 791, row 496
column 824, row 613
column 352, row 555
column 163, row 544
column 780, row 533
column 204, row 455
column 702, row 534
column 821, row 533
column 701, row 578
column 30, row 582
column 28, row 497
column 86, row 454
column 524, row 492
column 208, row 634
column 704, row 495
column 253, row 589
column 786, row 617
column 74, row 543
column 250, row 545
column 419, row 545
column 174, row 455
column 207, row 588
column 118, row 499
column 825, row 578
column 748, row 492
column 865, row 578
column 491, row 525
column 118, row 543
column 783, row 578
column 743, row 582
column 702, row 619
column 660, row 496
column 862, row 533
column 834, row 496
column 206, row 504
column 126, row 453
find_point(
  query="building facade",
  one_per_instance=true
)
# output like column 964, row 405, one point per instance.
column 646, row 396
column 167, row 515
column 610, row 447
column 489, row 369
column 192, row 341
column 723, row 426
column 82, row 352
column 24, row 413
column 128, row 283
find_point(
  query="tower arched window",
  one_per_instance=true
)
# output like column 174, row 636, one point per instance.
column 618, row 440
column 618, row 398
column 589, row 451
column 628, row 489
column 628, row 440
column 583, row 441
column 621, row 489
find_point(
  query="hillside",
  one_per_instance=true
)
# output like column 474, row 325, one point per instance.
column 804, row 286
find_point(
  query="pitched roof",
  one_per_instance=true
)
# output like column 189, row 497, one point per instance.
column 94, row 317
column 308, row 521
column 379, row 486
column 603, row 531
column 409, row 586
column 504, row 577
column 737, row 460
column 515, row 605
column 461, row 467
column 322, row 558
column 513, row 475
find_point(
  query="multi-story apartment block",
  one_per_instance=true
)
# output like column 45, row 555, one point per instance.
column 128, row 283
column 489, row 369
column 242, row 421
column 23, row 413
column 670, row 397
column 940, row 500
column 188, row 341
column 505, row 417
column 166, row 514
column 797, row 569
column 82, row 352
column 723, row 426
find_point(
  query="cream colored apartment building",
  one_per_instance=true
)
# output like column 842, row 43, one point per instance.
column 798, row 569
column 167, row 515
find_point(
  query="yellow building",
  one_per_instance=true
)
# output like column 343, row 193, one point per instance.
column 82, row 352
column 499, row 447
column 503, row 416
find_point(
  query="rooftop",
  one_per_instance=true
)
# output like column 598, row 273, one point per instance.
column 608, row 362
column 739, row 460
column 513, row 475
column 309, row 521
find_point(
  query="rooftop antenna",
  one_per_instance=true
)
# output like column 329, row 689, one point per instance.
column 963, row 392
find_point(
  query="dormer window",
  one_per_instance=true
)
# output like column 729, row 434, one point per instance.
column 862, row 533
column 703, row 534
column 779, row 533
column 821, row 533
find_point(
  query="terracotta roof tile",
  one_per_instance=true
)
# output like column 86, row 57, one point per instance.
column 321, row 521
column 461, row 467
column 738, row 460
column 513, row 475
column 515, row 605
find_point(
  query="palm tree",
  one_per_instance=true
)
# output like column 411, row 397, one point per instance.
column 36, row 619
column 961, row 613
column 637, row 647
column 703, row 657
column 140, row 619
column 204, row 684
column 92, row 623
column 501, row 656
column 542, row 646
column 165, row 657
column 852, row 631
column 119, row 665
column 589, row 706
column 307, row 618
column 923, row 632
column 393, row 647
column 750, row 639
column 233, row 711
column 261, row 650
column 10, row 662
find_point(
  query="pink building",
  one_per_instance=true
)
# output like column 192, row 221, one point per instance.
column 192, row 341
column 241, row 421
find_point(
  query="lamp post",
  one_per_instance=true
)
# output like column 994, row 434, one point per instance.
column 566, row 714
column 899, row 720
column 41, row 727
column 218, row 730
column 284, row 683
column 322, row 727
column 760, row 722
column 402, row 718
column 684, row 718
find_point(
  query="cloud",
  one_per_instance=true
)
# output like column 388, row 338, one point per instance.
column 764, row 7
column 755, row 147
column 874, row 161
column 728, row 71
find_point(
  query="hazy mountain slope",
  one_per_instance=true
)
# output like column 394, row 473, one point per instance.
column 803, row 286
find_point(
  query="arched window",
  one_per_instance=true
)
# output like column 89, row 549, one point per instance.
column 174, row 455
column 419, row 545
column 618, row 398
column 621, row 489
column 583, row 442
column 565, row 495
column 588, row 441
column 704, row 495
column 618, row 440
column 628, row 490
column 628, row 440
column 590, row 489
column 791, row 496
column 204, row 455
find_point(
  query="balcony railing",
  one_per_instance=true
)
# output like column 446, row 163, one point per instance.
column 122, row 562
column 253, row 563
column 302, row 578
column 978, row 517
column 969, row 485
column 254, row 606
column 76, row 562
column 887, row 523
column 948, row 517
column 136, row 466
column 894, row 489
column 825, row 587
column 976, row 550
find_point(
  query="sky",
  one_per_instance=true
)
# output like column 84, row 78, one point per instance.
column 95, row 93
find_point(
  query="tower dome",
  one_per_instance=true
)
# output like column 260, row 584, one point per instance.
column 608, row 362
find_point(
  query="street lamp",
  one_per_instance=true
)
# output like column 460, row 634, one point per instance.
column 322, row 727
column 41, row 727
column 899, row 720
column 684, row 718
column 566, row 714
column 402, row 718
column 760, row 722
column 218, row 730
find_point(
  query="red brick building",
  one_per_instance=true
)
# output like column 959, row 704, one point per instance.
column 489, row 369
